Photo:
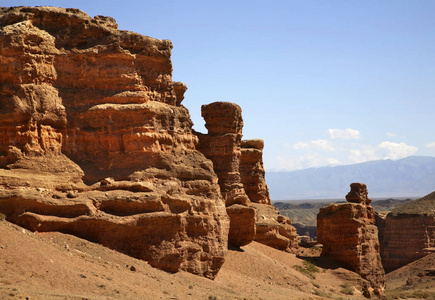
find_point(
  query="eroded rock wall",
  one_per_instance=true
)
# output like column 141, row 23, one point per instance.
column 408, row 233
column 272, row 228
column 252, row 171
column 94, row 141
column 349, row 236
column 222, row 145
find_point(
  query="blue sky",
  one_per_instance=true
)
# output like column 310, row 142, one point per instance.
column 322, row 82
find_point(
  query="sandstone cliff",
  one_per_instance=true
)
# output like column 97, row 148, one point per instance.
column 349, row 236
column 408, row 233
column 94, row 141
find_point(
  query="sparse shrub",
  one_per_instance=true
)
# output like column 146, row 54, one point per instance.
column 308, row 269
column 2, row 217
column 318, row 292
column 346, row 289
column 315, row 284
column 212, row 298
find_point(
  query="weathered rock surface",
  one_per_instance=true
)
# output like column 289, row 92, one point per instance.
column 274, row 229
column 94, row 141
column 252, row 171
column 222, row 145
column 349, row 236
column 408, row 233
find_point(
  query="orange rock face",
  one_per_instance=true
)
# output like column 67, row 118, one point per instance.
column 252, row 171
column 272, row 228
column 408, row 233
column 349, row 236
column 94, row 141
column 222, row 145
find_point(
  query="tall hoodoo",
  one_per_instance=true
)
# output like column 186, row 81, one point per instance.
column 349, row 236
column 222, row 145
column 94, row 141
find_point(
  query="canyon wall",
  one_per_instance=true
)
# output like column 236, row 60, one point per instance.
column 349, row 236
column 94, row 141
column 408, row 233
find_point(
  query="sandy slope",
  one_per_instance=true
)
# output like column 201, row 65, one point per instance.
column 59, row 266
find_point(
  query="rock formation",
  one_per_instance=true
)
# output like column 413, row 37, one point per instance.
column 94, row 141
column 252, row 171
column 408, row 233
column 272, row 228
column 349, row 236
column 222, row 145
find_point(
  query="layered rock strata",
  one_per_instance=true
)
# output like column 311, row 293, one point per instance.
column 94, row 141
column 349, row 236
column 272, row 228
column 222, row 145
column 252, row 171
column 408, row 233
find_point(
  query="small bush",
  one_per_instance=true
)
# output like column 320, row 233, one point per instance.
column 2, row 217
column 346, row 289
column 310, row 267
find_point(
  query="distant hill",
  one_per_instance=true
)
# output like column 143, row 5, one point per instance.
column 412, row 176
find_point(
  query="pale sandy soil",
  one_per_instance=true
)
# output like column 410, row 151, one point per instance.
column 59, row 266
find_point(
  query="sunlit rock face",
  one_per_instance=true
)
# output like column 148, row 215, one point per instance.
column 94, row 141
column 349, row 236
column 222, row 145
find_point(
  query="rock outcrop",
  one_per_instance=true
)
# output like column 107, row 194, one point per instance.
column 94, row 141
column 272, row 228
column 408, row 233
column 222, row 145
column 252, row 171
column 349, row 236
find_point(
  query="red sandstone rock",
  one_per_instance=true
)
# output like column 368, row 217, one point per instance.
column 408, row 233
column 82, row 102
column 252, row 171
column 349, row 236
column 222, row 145
column 274, row 229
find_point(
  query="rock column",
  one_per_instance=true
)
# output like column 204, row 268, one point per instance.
column 273, row 229
column 222, row 145
column 349, row 236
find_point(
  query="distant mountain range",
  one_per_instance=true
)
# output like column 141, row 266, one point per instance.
column 412, row 176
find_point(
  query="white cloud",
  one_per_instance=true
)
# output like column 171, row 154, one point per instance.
column 333, row 161
column 323, row 145
column 430, row 145
column 301, row 145
column 346, row 134
column 390, row 134
column 301, row 162
column 396, row 150
column 365, row 153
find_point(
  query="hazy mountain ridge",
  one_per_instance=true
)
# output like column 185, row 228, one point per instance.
column 410, row 176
